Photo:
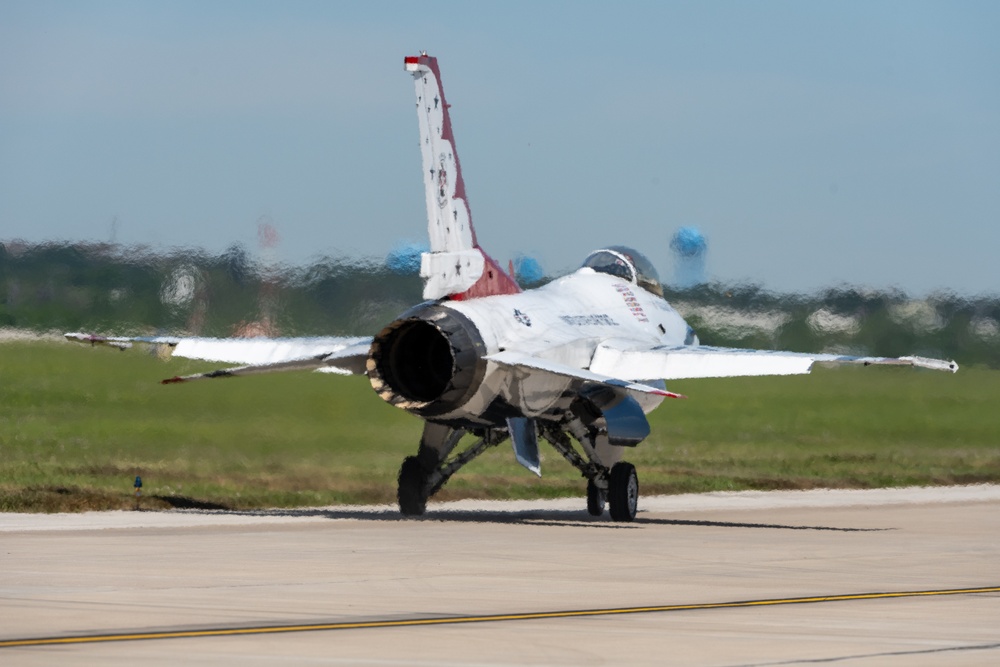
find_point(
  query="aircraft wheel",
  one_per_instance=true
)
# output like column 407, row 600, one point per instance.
column 410, row 492
column 623, row 491
column 595, row 499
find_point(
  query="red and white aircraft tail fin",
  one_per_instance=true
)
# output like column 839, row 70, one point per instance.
column 456, row 266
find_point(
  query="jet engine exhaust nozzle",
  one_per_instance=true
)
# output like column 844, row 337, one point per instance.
column 428, row 361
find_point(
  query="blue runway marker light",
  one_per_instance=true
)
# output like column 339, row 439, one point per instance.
column 138, row 482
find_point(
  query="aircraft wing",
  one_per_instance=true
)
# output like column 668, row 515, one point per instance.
column 623, row 359
column 258, row 355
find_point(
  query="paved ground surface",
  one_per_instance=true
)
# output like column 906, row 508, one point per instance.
column 125, row 573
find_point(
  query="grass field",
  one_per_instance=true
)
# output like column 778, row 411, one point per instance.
column 78, row 424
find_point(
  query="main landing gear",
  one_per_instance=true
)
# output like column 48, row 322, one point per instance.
column 616, row 487
column 411, row 492
column 421, row 476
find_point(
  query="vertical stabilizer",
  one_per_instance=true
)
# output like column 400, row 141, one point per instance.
column 456, row 266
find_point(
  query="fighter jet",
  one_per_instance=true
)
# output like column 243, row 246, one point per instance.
column 577, row 363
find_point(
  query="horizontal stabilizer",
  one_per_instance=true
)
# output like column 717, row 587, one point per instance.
column 248, row 351
column 518, row 360
column 350, row 360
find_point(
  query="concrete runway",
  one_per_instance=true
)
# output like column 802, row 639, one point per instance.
column 109, row 578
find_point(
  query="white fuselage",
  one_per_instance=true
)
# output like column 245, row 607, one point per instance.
column 564, row 322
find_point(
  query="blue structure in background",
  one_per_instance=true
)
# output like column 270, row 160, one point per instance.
column 404, row 258
column 527, row 270
column 690, row 247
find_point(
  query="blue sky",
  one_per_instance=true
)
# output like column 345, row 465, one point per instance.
column 814, row 144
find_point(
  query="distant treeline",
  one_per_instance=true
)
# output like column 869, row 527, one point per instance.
column 130, row 290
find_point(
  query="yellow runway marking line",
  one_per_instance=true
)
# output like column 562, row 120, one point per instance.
column 453, row 620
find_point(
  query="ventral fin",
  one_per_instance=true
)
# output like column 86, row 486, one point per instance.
column 524, row 438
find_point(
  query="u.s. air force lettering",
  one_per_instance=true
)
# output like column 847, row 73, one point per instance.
column 592, row 320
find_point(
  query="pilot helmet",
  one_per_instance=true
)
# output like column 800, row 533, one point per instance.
column 627, row 264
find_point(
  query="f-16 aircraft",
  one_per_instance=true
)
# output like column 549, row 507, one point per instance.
column 578, row 363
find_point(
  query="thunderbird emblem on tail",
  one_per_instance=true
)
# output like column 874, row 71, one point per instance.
column 578, row 363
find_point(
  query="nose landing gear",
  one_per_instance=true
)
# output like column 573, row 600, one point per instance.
column 623, row 491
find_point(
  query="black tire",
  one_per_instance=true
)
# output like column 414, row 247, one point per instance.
column 623, row 492
column 410, row 493
column 595, row 499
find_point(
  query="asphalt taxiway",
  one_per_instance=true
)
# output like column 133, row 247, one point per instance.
column 893, row 577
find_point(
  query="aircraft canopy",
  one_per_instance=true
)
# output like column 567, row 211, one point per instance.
column 628, row 264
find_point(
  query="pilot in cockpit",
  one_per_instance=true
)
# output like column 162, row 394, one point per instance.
column 626, row 263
